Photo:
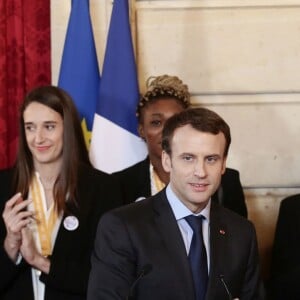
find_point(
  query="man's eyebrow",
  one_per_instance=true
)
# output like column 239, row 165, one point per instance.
column 187, row 153
column 213, row 155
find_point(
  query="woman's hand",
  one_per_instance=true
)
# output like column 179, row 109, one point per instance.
column 30, row 253
column 16, row 217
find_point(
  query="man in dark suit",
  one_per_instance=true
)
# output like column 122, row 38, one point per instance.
column 144, row 249
column 285, row 266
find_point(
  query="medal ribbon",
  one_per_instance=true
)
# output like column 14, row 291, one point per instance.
column 44, row 227
column 159, row 185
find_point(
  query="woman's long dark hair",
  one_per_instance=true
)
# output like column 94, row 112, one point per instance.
column 74, row 148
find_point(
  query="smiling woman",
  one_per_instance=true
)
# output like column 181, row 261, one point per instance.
column 55, row 201
column 52, row 150
column 44, row 134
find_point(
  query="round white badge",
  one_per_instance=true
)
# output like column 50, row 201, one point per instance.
column 71, row 223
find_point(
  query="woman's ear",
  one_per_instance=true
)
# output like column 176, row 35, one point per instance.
column 141, row 131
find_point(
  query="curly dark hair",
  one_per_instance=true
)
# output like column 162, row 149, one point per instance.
column 164, row 86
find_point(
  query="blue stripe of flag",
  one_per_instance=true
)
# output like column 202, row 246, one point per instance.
column 119, row 92
column 79, row 71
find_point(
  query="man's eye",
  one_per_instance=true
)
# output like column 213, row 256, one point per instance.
column 187, row 157
column 212, row 159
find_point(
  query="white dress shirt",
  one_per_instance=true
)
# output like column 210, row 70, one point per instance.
column 180, row 212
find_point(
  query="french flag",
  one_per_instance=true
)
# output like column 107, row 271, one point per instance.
column 79, row 71
column 115, row 143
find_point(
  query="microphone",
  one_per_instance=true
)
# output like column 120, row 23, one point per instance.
column 226, row 287
column 146, row 269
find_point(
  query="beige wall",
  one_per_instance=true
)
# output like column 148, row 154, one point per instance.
column 240, row 58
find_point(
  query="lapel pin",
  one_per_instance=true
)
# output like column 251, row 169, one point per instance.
column 222, row 231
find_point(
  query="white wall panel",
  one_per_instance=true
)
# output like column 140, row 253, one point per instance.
column 265, row 142
column 221, row 49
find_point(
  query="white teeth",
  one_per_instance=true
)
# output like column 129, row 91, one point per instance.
column 198, row 184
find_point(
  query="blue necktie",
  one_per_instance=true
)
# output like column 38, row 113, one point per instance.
column 197, row 257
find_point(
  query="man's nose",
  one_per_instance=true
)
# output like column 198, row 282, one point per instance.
column 200, row 169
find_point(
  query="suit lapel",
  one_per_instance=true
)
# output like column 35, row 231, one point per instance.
column 65, row 238
column 218, row 246
column 171, row 235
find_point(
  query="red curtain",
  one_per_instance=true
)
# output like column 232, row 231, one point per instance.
column 24, row 63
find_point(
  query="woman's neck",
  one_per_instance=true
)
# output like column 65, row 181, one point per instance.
column 48, row 172
column 158, row 168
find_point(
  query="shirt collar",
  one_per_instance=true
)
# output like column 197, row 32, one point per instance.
column 180, row 210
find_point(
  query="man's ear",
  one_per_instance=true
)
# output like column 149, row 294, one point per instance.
column 224, row 165
column 166, row 161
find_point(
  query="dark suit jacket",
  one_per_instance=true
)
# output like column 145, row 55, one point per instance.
column 147, row 232
column 70, row 260
column 135, row 183
column 285, row 266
